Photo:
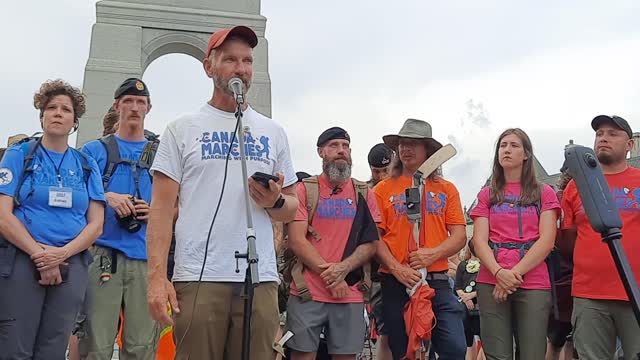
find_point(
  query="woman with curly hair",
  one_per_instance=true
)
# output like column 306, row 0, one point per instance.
column 51, row 211
column 514, row 231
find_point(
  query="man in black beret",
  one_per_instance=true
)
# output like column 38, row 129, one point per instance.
column 132, row 86
column 328, row 293
column 118, row 277
column 334, row 133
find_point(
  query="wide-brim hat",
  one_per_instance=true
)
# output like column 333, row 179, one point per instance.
column 412, row 129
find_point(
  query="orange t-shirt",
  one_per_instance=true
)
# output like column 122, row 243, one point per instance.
column 440, row 207
column 594, row 272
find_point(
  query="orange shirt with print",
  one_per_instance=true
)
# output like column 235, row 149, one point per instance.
column 594, row 272
column 440, row 207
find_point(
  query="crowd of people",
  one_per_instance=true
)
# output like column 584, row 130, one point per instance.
column 130, row 236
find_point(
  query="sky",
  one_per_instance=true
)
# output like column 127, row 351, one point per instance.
column 471, row 69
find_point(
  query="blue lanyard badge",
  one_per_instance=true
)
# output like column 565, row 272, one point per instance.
column 59, row 196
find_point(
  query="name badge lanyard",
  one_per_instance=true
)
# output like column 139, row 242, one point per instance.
column 57, row 168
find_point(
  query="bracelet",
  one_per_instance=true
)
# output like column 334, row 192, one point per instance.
column 495, row 274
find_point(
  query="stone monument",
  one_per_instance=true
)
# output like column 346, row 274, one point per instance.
column 129, row 35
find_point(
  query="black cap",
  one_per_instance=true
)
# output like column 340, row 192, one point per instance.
column 302, row 175
column 132, row 86
column 332, row 134
column 619, row 122
column 380, row 156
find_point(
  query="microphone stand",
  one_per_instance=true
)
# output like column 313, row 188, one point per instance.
column 251, row 279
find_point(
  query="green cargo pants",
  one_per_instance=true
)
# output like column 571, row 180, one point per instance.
column 597, row 323
column 523, row 317
column 125, row 291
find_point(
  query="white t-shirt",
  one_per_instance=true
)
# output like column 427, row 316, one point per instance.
column 192, row 152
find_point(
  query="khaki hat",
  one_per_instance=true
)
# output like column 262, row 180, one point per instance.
column 412, row 129
column 16, row 139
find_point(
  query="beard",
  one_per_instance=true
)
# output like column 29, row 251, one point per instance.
column 607, row 158
column 221, row 83
column 338, row 170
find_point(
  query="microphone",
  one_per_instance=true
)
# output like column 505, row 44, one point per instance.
column 237, row 87
column 336, row 190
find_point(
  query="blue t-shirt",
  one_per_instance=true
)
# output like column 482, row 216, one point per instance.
column 55, row 226
column 133, row 245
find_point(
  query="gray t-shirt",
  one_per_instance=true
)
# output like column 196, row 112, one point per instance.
column 193, row 152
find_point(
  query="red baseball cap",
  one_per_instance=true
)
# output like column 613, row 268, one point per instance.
column 218, row 37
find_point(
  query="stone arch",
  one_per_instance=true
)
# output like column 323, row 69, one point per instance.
column 173, row 43
column 128, row 36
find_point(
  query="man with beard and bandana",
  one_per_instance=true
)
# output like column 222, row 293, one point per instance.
column 199, row 158
column 601, row 308
column 331, row 248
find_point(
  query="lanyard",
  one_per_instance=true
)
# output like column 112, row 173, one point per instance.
column 58, row 176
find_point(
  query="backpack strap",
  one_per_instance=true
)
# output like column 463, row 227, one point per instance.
column 298, row 279
column 522, row 247
column 30, row 145
column 362, row 189
column 312, row 188
column 113, row 158
column 148, row 154
column 86, row 168
column 537, row 205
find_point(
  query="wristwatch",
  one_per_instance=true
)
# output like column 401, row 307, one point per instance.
column 279, row 203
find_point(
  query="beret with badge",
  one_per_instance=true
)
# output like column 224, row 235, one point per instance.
column 131, row 86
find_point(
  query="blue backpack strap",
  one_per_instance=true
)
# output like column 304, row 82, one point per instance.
column 512, row 246
column 28, row 147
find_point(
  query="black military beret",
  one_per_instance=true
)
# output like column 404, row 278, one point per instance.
column 132, row 86
column 380, row 156
column 332, row 134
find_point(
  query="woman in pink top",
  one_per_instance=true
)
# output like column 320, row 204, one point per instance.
column 514, row 231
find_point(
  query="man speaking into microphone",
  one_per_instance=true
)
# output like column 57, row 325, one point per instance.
column 198, row 165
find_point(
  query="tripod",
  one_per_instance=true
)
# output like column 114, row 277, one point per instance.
column 252, row 278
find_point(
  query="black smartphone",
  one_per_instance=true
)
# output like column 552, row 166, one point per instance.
column 263, row 178
column 64, row 272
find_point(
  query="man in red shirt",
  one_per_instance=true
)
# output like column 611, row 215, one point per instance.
column 340, row 238
column 601, row 308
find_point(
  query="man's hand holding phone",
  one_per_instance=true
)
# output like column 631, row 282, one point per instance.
column 265, row 189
